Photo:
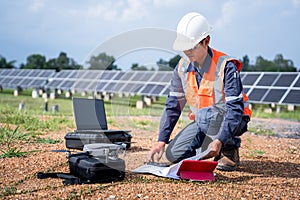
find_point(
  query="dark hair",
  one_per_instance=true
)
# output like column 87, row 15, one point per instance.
column 201, row 42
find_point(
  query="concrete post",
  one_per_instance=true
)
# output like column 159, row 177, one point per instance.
column 55, row 108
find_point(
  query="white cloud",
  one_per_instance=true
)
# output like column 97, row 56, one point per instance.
column 234, row 13
column 228, row 13
column 118, row 10
column 136, row 9
column 37, row 5
column 296, row 3
column 165, row 3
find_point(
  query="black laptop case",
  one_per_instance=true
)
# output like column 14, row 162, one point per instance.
column 91, row 126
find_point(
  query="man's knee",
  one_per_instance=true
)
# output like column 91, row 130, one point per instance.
column 174, row 155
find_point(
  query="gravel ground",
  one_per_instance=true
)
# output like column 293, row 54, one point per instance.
column 270, row 169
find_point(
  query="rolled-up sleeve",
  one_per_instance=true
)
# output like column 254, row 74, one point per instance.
column 234, row 102
column 173, row 107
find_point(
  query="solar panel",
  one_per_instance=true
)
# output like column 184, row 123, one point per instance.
column 26, row 82
column 1, row 71
column 68, row 84
column 132, row 88
column 157, row 77
column 106, row 75
column 285, row 80
column 66, row 73
column 127, row 76
column 293, row 97
column 25, row 78
column 109, row 87
column 34, row 73
column 261, row 87
column 250, row 79
column 267, row 79
column 44, row 74
column 92, row 87
column 245, row 90
column 242, row 75
column 81, row 85
column 14, row 72
column 79, row 74
column 274, row 95
column 100, row 86
column 6, row 72
column 141, row 76
column 166, row 78
column 157, row 90
column 37, row 82
column 118, row 76
column 90, row 74
column 166, row 91
column 55, row 84
column 297, row 84
column 257, row 94
column 16, row 81
column 147, row 89
column 24, row 73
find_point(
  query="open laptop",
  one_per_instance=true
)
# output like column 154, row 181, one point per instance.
column 91, row 126
column 90, row 116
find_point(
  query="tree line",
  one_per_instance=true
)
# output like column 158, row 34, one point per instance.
column 37, row 61
column 103, row 61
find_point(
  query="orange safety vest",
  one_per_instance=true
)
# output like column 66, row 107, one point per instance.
column 211, row 89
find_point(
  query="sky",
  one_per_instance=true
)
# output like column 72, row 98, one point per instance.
column 142, row 31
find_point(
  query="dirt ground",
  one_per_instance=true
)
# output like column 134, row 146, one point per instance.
column 270, row 169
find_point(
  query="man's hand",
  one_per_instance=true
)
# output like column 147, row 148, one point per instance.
column 159, row 149
column 215, row 148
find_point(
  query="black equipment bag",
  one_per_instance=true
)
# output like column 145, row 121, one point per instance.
column 76, row 140
column 96, row 169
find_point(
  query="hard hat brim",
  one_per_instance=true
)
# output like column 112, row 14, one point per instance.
column 183, row 43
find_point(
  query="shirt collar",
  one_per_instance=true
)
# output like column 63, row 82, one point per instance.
column 207, row 61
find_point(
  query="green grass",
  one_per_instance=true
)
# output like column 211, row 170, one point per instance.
column 257, row 154
column 261, row 131
column 35, row 106
column 14, row 152
column 8, row 190
column 8, row 137
column 118, row 106
column 258, row 111
column 47, row 140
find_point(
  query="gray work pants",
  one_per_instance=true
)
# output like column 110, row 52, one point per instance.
column 186, row 143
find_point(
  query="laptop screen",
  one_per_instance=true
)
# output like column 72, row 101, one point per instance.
column 89, row 114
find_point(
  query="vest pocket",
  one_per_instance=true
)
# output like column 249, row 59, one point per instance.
column 205, row 97
column 206, row 88
column 205, row 91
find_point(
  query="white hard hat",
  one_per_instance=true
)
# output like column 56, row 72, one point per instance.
column 191, row 29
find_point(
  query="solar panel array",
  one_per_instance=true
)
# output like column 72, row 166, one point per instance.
column 261, row 87
column 271, row 87
column 24, row 78
column 148, row 83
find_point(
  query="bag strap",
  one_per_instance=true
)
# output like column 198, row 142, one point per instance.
column 69, row 179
